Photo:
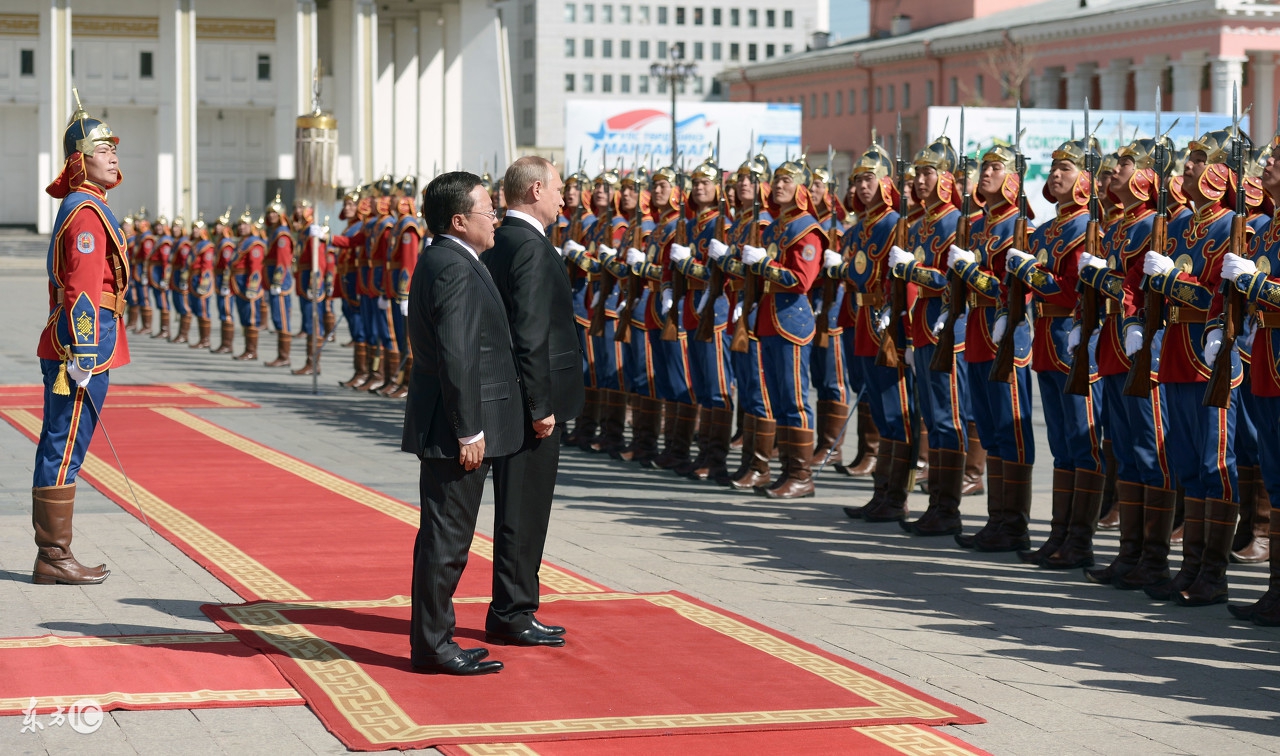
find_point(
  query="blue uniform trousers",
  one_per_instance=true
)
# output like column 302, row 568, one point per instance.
column 944, row 400
column 226, row 308
column 1136, row 427
column 605, row 355
column 161, row 299
column 1202, row 456
column 1266, row 413
column 1246, row 444
column 200, row 306
column 355, row 321
column 249, row 312
column 1002, row 412
column 826, row 371
column 670, row 367
column 637, row 361
column 1072, row 423
column 281, row 309
column 400, row 327
column 67, row 428
column 890, row 394
column 786, row 381
column 179, row 299
column 748, row 376
column 376, row 333
column 709, row 369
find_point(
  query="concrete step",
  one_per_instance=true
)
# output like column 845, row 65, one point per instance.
column 23, row 243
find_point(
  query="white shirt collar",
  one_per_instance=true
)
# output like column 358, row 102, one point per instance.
column 463, row 244
column 532, row 221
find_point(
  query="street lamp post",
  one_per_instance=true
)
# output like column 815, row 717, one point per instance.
column 674, row 73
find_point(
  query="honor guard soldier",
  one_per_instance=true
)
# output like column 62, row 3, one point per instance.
column 406, row 239
column 130, row 238
column 708, row 360
column 138, row 256
column 577, row 220
column 247, row 284
column 158, row 273
column 179, row 280
column 357, row 209
column 943, row 395
column 1188, row 272
column 864, row 264
column 313, row 266
column 278, row 270
column 376, row 307
column 1001, row 410
column 1134, row 424
column 633, row 326
column 827, row 360
column 201, row 282
column 226, row 256
column 82, row 340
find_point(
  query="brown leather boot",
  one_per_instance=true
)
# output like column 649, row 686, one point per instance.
column 713, row 464
column 284, row 342
column 1129, row 498
column 587, row 423
column 131, row 319
column 995, row 505
column 893, row 506
column 677, row 451
column 360, row 361
column 947, row 473
column 1193, row 543
column 308, row 368
column 264, row 314
column 613, row 422
column 203, row 328
column 1210, row 585
column 831, row 420
column 796, row 451
column 330, row 322
column 1157, row 524
column 250, row 345
column 667, row 425
column 390, row 374
column 1110, row 517
column 1064, row 482
column 1179, row 507
column 1266, row 610
column 184, row 330
column 868, row 445
column 227, row 332
column 144, row 321
column 755, row 472
column 704, row 442
column 739, row 427
column 1011, row 532
column 162, row 320
column 1257, row 539
column 52, row 508
column 975, row 463
column 880, row 470
column 920, row 474
column 403, row 389
column 646, row 424
column 748, row 449
column 377, row 363
column 1077, row 549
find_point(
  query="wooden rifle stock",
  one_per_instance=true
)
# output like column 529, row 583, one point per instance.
column 631, row 292
column 1138, row 382
column 742, row 332
column 1217, row 392
column 607, row 281
column 1016, row 312
column 823, row 326
column 945, row 352
column 888, row 354
column 679, row 284
column 1078, row 377
column 715, row 287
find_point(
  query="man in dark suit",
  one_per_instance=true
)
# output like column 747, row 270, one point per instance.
column 463, row 408
column 535, row 288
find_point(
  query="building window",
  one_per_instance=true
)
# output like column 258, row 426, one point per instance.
column 606, row 14
column 662, row 15
column 697, row 17
column 751, row 51
column 735, row 51
column 879, row 99
column 569, row 47
column 606, row 83
column 27, row 63
column 662, row 49
column 813, row 105
column 146, row 68
column 588, row 48
column 717, row 17
column 788, row 19
column 662, row 86
column 891, row 106
column 680, row 16
column 642, row 84
column 677, row 50
column 955, row 90
column 588, row 83
column 625, row 83
column 768, row 51
column 853, row 101
column 978, row 86
column 839, row 102
column 697, row 85
column 527, row 46
column 826, row 104
column 527, row 118
column 530, row 12
column 570, row 13
column 624, row 14
column 264, row 66
column 735, row 17
column 526, row 83
column 644, row 48
column 770, row 18
column 906, row 96
column 716, row 50
column 568, row 82
column 697, row 51
column 642, row 14
column 625, row 52
column 928, row 92
column 866, row 99
column 715, row 88
column 606, row 48
column 588, row 13
column 786, row 49
column 753, row 17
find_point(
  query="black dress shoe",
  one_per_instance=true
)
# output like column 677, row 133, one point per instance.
column 547, row 629
column 530, row 637
column 464, row 664
column 476, row 654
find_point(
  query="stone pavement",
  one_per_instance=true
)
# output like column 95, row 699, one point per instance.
column 1055, row 664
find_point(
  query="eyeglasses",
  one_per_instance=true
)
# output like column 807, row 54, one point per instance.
column 492, row 214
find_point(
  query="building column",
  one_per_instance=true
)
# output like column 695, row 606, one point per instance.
column 1047, row 87
column 1186, row 81
column 1226, row 73
column 384, row 95
column 405, row 106
column 364, row 56
column 451, row 102
column 1080, row 84
column 1146, row 78
column 176, row 114
column 1114, row 81
column 430, row 93
column 1263, row 115
column 53, row 67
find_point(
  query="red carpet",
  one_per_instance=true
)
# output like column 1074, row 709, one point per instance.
column 652, row 664
column 126, row 395
column 180, row 671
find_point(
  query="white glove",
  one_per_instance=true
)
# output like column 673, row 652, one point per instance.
column 635, row 257
column 164, row 286
column 1157, row 264
column 899, row 256
column 595, row 299
column 1212, row 344
column 680, row 253
column 559, row 251
column 941, row 323
column 1133, row 336
column 957, row 257
column 603, row 253
column 1014, row 258
column 997, row 330
column 667, row 300
column 572, row 247
column 910, row 356
column 752, row 255
column 717, row 249
column 1089, row 261
column 81, row 377
column 315, row 230
column 275, row 292
column 817, row 308
column 1234, row 266
column 383, row 303
column 737, row 310
column 882, row 320
column 1073, row 338
column 404, row 307
column 831, row 259
column 225, row 291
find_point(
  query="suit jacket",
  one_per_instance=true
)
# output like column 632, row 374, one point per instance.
column 464, row 379
column 538, row 296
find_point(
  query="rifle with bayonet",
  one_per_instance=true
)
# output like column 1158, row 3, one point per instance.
column 607, row 280
column 1016, row 307
column 679, row 284
column 715, row 283
column 1217, row 392
column 897, row 304
column 1138, row 382
column 823, row 326
column 1078, row 377
column 944, row 354
column 742, row 332
column 635, row 281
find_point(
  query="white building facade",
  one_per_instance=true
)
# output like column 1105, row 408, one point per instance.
column 204, row 93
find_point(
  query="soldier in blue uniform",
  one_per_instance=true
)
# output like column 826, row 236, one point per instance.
column 279, row 276
column 827, row 361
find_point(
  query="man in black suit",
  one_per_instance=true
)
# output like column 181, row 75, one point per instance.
column 535, row 288
column 464, row 408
